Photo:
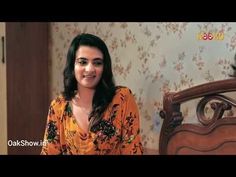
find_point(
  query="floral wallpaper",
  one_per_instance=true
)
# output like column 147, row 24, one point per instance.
column 151, row 59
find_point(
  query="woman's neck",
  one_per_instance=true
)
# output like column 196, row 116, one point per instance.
column 86, row 96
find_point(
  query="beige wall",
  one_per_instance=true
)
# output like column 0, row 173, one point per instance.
column 3, row 98
column 151, row 59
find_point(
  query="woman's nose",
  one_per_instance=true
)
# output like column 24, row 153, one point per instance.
column 90, row 67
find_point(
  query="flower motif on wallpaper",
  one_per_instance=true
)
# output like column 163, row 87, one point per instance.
column 158, row 105
column 225, row 67
column 184, row 82
column 208, row 76
column 179, row 64
column 114, row 44
column 173, row 28
column 156, row 77
column 231, row 45
column 139, row 98
column 121, row 70
column 129, row 37
column 147, row 31
column 162, row 64
column 123, row 25
column 165, row 87
column 198, row 61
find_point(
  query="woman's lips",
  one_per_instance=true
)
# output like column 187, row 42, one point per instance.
column 89, row 76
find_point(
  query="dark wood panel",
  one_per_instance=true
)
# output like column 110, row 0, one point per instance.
column 27, row 84
column 193, row 139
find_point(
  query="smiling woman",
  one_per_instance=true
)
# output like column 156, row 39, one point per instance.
column 92, row 116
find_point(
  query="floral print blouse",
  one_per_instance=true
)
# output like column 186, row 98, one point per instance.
column 117, row 133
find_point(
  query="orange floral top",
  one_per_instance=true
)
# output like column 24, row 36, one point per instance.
column 117, row 133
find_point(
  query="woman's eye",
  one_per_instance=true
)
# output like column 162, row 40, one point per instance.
column 98, row 63
column 81, row 62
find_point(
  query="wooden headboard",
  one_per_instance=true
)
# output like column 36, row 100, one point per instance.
column 210, row 136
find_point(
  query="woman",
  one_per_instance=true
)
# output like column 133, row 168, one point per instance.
column 92, row 116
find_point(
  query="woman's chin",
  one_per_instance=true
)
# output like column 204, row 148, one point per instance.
column 89, row 86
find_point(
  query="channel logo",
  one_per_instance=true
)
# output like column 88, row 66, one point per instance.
column 210, row 36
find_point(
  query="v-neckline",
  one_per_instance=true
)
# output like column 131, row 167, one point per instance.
column 80, row 130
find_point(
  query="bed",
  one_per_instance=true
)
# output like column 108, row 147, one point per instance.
column 214, row 135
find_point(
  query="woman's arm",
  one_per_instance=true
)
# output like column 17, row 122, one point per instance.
column 131, row 138
column 51, row 143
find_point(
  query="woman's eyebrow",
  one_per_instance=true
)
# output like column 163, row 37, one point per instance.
column 97, row 59
column 82, row 58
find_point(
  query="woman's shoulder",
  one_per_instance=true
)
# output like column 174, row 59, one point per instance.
column 123, row 90
column 58, row 101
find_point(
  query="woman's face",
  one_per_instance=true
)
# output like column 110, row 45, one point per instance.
column 88, row 66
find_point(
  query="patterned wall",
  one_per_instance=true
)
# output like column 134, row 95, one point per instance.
column 151, row 59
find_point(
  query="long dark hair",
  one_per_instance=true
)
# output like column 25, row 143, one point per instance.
column 105, row 90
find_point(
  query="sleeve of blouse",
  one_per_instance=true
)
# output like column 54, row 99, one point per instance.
column 51, row 142
column 131, row 138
